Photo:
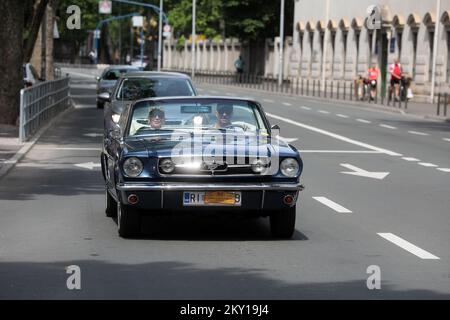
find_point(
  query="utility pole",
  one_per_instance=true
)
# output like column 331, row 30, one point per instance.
column 281, row 52
column 435, row 50
column 44, row 45
column 193, row 41
column 160, row 34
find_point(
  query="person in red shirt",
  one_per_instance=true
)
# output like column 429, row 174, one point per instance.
column 395, row 70
column 372, row 76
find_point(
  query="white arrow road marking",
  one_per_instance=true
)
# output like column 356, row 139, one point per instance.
column 331, row 204
column 88, row 165
column 363, row 173
column 93, row 135
column 418, row 133
column 333, row 135
column 408, row 246
column 287, row 140
column 444, row 169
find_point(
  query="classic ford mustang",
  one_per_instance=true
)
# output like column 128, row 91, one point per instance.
column 194, row 155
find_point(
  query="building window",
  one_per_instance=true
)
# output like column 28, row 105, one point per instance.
column 399, row 43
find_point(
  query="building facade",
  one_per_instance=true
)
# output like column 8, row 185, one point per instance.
column 333, row 41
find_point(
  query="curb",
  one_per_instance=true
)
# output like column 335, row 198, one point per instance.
column 11, row 162
column 376, row 107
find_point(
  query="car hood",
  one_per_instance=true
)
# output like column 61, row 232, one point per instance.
column 167, row 145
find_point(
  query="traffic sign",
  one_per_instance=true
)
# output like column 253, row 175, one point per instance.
column 138, row 21
column 105, row 7
column 97, row 34
column 167, row 28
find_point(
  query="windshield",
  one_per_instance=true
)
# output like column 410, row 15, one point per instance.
column 114, row 74
column 208, row 114
column 139, row 88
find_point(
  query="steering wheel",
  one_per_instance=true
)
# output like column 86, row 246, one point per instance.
column 237, row 125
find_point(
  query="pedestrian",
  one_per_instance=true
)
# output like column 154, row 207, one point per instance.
column 92, row 56
column 239, row 64
column 372, row 76
column 395, row 69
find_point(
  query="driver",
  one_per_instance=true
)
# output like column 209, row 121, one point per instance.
column 156, row 118
column 224, row 113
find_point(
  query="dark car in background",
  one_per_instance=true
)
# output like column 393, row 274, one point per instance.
column 108, row 79
column 205, row 155
column 143, row 84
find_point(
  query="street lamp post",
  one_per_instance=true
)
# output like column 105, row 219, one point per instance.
column 281, row 58
column 160, row 34
column 193, row 41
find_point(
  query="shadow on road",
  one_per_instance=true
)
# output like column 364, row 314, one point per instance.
column 176, row 280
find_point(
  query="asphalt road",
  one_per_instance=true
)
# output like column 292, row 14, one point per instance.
column 52, row 216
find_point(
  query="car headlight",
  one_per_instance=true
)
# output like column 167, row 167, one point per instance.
column 167, row 166
column 133, row 167
column 289, row 167
column 115, row 117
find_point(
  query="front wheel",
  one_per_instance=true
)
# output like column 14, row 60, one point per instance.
column 128, row 221
column 282, row 223
column 111, row 205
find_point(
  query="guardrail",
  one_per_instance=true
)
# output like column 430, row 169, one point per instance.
column 41, row 103
column 330, row 89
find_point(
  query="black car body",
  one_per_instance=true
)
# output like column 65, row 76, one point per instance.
column 194, row 165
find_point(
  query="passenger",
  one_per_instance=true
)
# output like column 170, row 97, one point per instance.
column 224, row 113
column 156, row 118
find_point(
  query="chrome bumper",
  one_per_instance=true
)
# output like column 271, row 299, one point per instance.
column 164, row 186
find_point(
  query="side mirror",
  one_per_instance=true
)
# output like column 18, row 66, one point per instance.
column 115, row 132
column 104, row 96
column 97, row 78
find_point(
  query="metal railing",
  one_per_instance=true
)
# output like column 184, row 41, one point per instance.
column 41, row 103
column 442, row 103
column 330, row 89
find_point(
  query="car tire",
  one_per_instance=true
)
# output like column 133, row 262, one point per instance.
column 128, row 221
column 282, row 223
column 100, row 105
column 111, row 205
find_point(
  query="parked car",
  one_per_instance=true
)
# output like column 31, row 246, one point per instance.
column 30, row 76
column 108, row 79
column 142, row 84
column 197, row 155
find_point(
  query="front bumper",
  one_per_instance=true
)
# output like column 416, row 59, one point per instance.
column 168, row 196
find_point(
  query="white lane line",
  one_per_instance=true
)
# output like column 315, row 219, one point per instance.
column 342, row 116
column 331, row 204
column 418, row 133
column 426, row 164
column 305, row 108
column 287, row 104
column 411, row 159
column 444, row 169
column 335, row 136
column 342, row 151
column 268, row 100
column 323, row 111
column 446, row 139
column 388, row 126
column 408, row 246
column 363, row 121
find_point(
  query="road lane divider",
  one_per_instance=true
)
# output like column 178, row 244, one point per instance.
column 323, row 111
column 408, row 246
column 444, row 169
column 334, row 135
column 331, row 204
column 363, row 121
column 388, row 126
column 417, row 133
column 428, row 165
column 446, row 139
column 287, row 104
column 411, row 159
column 342, row 116
column 305, row 108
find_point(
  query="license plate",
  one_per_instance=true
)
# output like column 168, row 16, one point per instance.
column 212, row 198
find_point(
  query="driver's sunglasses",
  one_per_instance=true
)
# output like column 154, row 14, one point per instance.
column 226, row 110
column 158, row 114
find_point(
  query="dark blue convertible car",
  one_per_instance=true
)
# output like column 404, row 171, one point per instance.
column 197, row 155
